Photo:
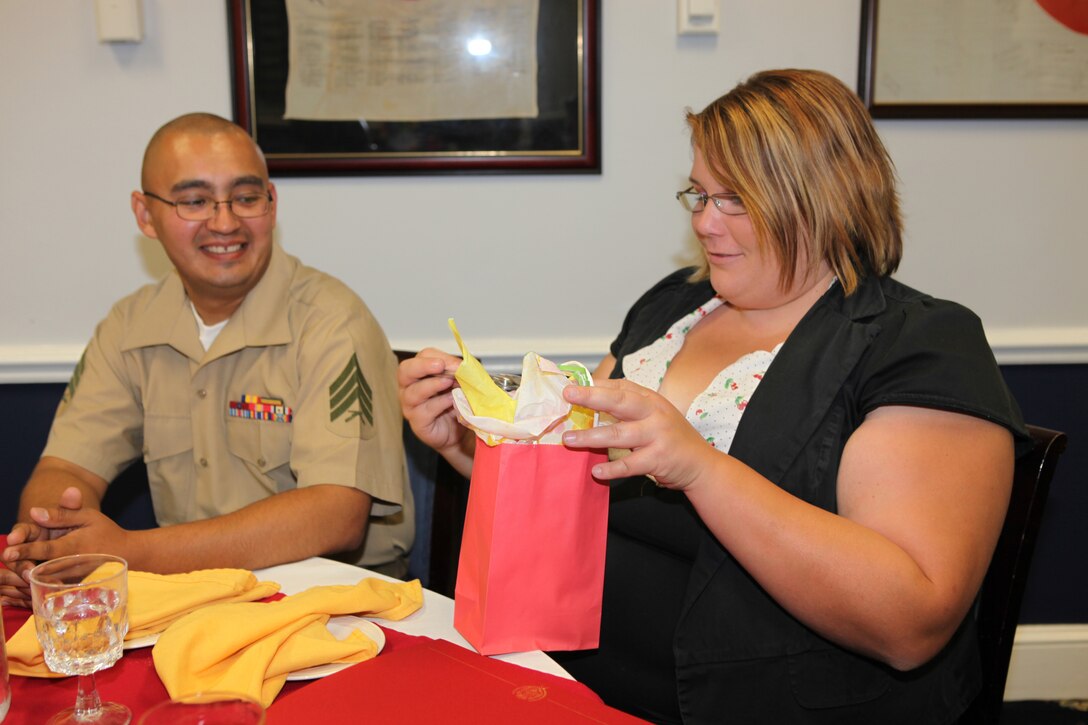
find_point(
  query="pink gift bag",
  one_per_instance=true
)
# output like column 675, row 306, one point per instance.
column 531, row 570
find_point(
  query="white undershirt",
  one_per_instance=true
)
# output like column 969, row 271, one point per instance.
column 208, row 333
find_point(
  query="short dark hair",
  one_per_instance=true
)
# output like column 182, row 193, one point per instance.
column 199, row 123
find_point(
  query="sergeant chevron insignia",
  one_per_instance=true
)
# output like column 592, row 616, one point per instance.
column 351, row 401
column 73, row 383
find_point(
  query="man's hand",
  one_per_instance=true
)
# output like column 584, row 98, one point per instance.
column 14, row 587
column 52, row 532
column 66, row 530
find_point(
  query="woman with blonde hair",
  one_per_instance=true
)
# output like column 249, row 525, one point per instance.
column 821, row 457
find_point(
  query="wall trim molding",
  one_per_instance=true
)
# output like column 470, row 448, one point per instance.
column 1039, row 345
column 38, row 363
column 1049, row 662
column 52, row 363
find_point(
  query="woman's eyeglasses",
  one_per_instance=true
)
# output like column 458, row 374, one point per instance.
column 695, row 201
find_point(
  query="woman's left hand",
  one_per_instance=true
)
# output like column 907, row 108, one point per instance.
column 662, row 442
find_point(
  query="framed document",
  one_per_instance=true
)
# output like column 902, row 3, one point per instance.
column 974, row 58
column 330, row 87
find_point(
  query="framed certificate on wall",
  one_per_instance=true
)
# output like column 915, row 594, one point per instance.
column 331, row 87
column 974, row 58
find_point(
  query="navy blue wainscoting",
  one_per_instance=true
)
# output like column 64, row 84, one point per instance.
column 1056, row 396
column 23, row 431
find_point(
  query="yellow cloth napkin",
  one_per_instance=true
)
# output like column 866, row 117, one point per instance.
column 154, row 601
column 251, row 648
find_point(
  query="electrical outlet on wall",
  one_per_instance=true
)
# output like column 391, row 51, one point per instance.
column 119, row 21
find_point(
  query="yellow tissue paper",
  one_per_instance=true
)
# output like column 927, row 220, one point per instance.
column 535, row 413
column 485, row 397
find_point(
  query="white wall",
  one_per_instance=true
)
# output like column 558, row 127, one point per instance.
column 994, row 208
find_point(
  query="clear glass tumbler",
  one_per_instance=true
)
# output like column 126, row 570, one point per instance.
column 81, row 617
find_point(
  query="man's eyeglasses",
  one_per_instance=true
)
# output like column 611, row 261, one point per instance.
column 203, row 208
column 695, row 201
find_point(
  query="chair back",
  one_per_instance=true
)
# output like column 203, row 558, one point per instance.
column 1003, row 588
column 441, row 499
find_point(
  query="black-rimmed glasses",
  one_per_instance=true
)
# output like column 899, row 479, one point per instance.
column 203, row 208
column 695, row 201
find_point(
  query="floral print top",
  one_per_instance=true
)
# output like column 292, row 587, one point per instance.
column 716, row 411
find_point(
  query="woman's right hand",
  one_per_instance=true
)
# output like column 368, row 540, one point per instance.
column 425, row 383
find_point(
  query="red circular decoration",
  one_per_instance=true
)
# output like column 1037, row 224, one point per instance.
column 1073, row 14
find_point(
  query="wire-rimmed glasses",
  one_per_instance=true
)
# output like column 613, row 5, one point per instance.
column 695, row 201
column 202, row 208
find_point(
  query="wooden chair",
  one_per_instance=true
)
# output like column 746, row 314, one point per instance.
column 1003, row 589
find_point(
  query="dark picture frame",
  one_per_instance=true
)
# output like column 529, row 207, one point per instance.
column 888, row 84
column 564, row 137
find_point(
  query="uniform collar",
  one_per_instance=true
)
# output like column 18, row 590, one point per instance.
column 261, row 320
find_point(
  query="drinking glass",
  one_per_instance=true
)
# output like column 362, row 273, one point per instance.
column 206, row 708
column 80, row 615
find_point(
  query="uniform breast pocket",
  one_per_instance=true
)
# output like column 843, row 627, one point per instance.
column 165, row 437
column 168, row 453
column 264, row 446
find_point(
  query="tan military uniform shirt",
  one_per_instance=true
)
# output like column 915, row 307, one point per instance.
column 298, row 389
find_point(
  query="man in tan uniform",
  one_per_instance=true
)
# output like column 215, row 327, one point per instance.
column 260, row 393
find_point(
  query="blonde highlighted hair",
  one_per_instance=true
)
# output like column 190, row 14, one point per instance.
column 800, row 149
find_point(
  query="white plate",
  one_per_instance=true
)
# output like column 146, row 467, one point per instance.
column 140, row 642
column 340, row 627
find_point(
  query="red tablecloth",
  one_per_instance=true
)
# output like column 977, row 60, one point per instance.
column 134, row 682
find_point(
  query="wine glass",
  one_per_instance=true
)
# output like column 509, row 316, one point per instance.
column 80, row 615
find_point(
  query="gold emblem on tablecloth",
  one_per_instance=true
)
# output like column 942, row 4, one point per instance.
column 531, row 693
